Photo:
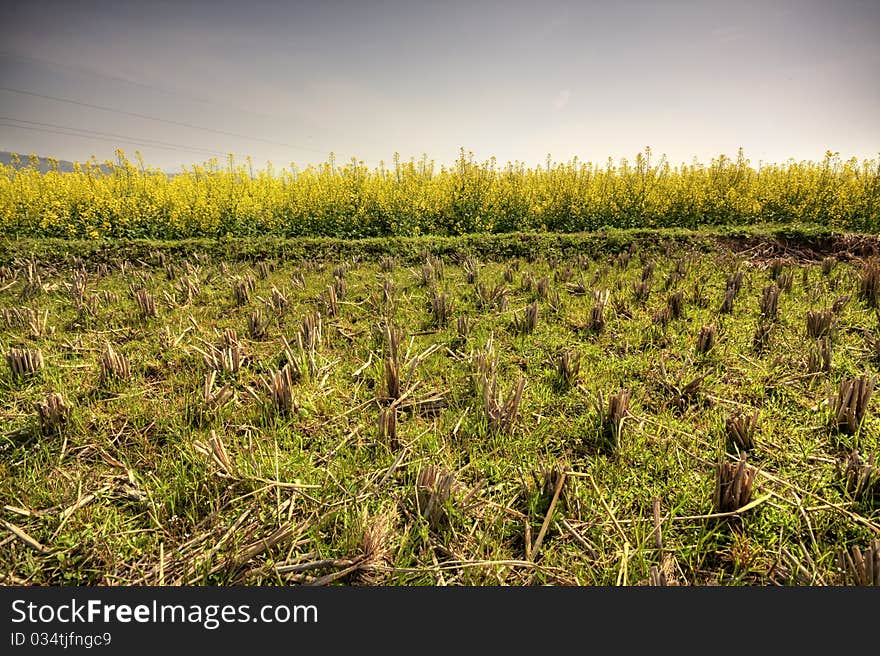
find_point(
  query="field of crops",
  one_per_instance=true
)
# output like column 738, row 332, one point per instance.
column 654, row 416
column 128, row 200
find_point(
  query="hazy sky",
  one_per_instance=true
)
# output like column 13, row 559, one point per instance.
column 292, row 81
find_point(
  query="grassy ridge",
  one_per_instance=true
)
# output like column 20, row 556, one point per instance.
column 820, row 239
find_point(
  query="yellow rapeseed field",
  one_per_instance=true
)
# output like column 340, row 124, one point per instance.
column 125, row 199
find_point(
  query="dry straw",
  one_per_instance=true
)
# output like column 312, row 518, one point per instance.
column 279, row 387
column 500, row 414
column 526, row 322
column 145, row 302
column 33, row 284
column 861, row 478
column 263, row 270
column 298, row 280
column 612, row 416
column 24, row 362
column 331, row 302
column 38, row 324
column 641, row 290
column 828, row 265
column 769, row 304
column 376, row 554
column 242, row 289
column 216, row 451
column 392, row 379
column 675, row 303
column 442, row 307
column 699, row 296
column 706, row 338
column 113, row 365
column 776, row 266
column 388, row 427
column 580, row 287
column 387, row 264
column 741, row 428
column 489, row 297
column 733, row 485
column 568, row 367
column 340, row 288
column 734, row 282
column 311, row 332
column 229, row 358
column 258, row 325
column 850, row 406
column 14, row 317
column 761, row 336
column 542, row 287
column 819, row 356
column 212, row 398
column 471, row 269
column 301, row 360
column 840, row 303
column 785, row 281
column 53, row 413
column 861, row 568
column 435, row 495
column 278, row 300
column 188, row 288
column 820, row 323
column 869, row 282
column 596, row 322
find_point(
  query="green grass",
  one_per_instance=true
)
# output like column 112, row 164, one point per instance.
column 129, row 489
column 412, row 249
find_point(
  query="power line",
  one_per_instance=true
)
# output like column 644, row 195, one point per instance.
column 157, row 119
column 143, row 140
column 85, row 136
column 115, row 78
column 42, row 61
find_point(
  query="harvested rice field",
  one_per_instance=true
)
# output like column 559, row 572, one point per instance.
column 656, row 415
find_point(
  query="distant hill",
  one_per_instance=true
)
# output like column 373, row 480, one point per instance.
column 63, row 165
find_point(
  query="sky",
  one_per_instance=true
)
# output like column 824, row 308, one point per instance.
column 291, row 82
